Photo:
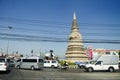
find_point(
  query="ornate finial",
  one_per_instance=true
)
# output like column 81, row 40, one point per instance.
column 74, row 17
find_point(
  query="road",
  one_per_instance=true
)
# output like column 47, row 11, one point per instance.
column 56, row 74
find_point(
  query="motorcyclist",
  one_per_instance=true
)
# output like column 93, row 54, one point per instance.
column 65, row 64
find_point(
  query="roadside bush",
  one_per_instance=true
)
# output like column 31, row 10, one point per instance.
column 69, row 63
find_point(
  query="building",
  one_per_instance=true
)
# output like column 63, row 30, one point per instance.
column 75, row 51
column 93, row 54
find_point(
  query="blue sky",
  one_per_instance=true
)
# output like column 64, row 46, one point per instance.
column 52, row 19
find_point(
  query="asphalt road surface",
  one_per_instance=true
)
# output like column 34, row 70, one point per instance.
column 56, row 74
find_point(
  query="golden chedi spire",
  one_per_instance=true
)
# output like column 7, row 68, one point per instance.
column 75, row 51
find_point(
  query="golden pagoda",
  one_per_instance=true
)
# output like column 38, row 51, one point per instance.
column 75, row 51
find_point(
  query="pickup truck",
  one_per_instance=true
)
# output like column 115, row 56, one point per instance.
column 105, row 62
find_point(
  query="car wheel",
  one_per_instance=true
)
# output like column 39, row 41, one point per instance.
column 18, row 66
column 32, row 68
column 111, row 69
column 90, row 69
column 52, row 66
column 82, row 67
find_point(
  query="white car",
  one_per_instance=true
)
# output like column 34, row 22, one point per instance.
column 4, row 64
column 51, row 63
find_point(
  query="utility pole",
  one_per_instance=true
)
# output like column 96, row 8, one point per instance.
column 9, row 28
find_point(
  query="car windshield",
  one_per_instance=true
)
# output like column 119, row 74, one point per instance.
column 12, row 61
column 2, row 60
column 90, row 62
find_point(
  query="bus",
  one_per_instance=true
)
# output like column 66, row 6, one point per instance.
column 30, row 63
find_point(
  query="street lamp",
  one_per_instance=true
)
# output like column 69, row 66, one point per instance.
column 9, row 28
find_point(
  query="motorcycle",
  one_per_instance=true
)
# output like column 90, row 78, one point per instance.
column 64, row 67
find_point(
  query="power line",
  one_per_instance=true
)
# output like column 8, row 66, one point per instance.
column 39, row 38
column 62, row 27
column 90, row 28
column 52, row 23
column 66, row 34
column 32, row 30
column 54, row 40
column 28, row 36
column 54, row 32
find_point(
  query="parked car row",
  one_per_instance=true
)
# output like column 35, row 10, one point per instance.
column 105, row 62
column 35, row 63
column 27, row 63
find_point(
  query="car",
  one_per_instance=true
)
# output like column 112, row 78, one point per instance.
column 12, row 63
column 81, row 65
column 51, row 63
column 4, row 64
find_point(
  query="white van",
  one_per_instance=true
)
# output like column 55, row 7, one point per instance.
column 30, row 63
column 51, row 63
column 4, row 64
